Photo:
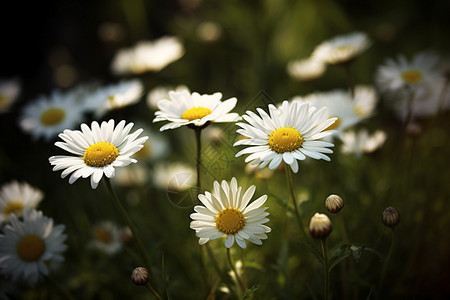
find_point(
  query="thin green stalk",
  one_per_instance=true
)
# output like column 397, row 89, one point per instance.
column 326, row 271
column 233, row 268
column 130, row 224
column 409, row 105
column 294, row 201
column 350, row 81
column 152, row 290
column 198, row 138
column 341, row 224
column 388, row 257
column 61, row 288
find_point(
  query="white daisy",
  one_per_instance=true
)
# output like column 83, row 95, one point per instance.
column 227, row 212
column 114, row 96
column 194, row 109
column 290, row 133
column 305, row 69
column 340, row 104
column 106, row 238
column 394, row 75
column 9, row 92
column 97, row 150
column 15, row 197
column 30, row 248
column 147, row 56
column 162, row 92
column 48, row 115
column 342, row 49
column 361, row 142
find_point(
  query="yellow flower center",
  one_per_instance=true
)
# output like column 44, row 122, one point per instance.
column 196, row 112
column 103, row 236
column 334, row 125
column 343, row 47
column 13, row 207
column 30, row 248
column 52, row 116
column 230, row 221
column 411, row 76
column 285, row 139
column 100, row 154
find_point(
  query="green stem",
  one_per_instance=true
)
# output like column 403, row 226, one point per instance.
column 344, row 232
column 326, row 272
column 233, row 268
column 152, row 290
column 294, row 201
column 351, row 84
column 130, row 224
column 388, row 257
column 198, row 138
column 409, row 109
column 61, row 288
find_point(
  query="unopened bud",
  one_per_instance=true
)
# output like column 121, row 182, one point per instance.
column 320, row 226
column 140, row 276
column 391, row 217
column 334, row 204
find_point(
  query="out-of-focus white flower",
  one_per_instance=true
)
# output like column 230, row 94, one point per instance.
column 305, row 69
column 9, row 92
column 15, row 197
column 342, row 49
column 362, row 142
column 47, row 116
column 209, row 31
column 174, row 176
column 394, row 75
column 106, row 237
column 340, row 104
column 147, row 56
column 114, row 96
column 162, row 92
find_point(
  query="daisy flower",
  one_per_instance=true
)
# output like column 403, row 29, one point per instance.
column 97, row 150
column 394, row 75
column 340, row 104
column 194, row 109
column 30, row 248
column 288, row 133
column 15, row 197
column 114, row 96
column 305, row 69
column 174, row 176
column 342, row 49
column 47, row 116
column 362, row 142
column 9, row 91
column 106, row 237
column 147, row 56
column 227, row 212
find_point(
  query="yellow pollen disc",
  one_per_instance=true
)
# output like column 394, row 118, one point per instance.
column 30, row 248
column 286, row 139
column 411, row 76
column 100, row 154
column 103, row 236
column 230, row 221
column 13, row 207
column 335, row 124
column 196, row 112
column 111, row 98
column 52, row 116
column 343, row 47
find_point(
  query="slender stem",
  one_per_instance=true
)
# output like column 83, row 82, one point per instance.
column 409, row 105
column 341, row 224
column 326, row 272
column 351, row 84
column 61, row 288
column 386, row 262
column 233, row 268
column 152, row 290
column 198, row 138
column 130, row 224
column 294, row 201
column 163, row 269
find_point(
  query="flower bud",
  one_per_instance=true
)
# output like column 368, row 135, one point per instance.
column 334, row 204
column 140, row 276
column 391, row 217
column 320, row 226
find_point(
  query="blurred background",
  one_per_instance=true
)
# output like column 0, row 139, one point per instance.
column 241, row 49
